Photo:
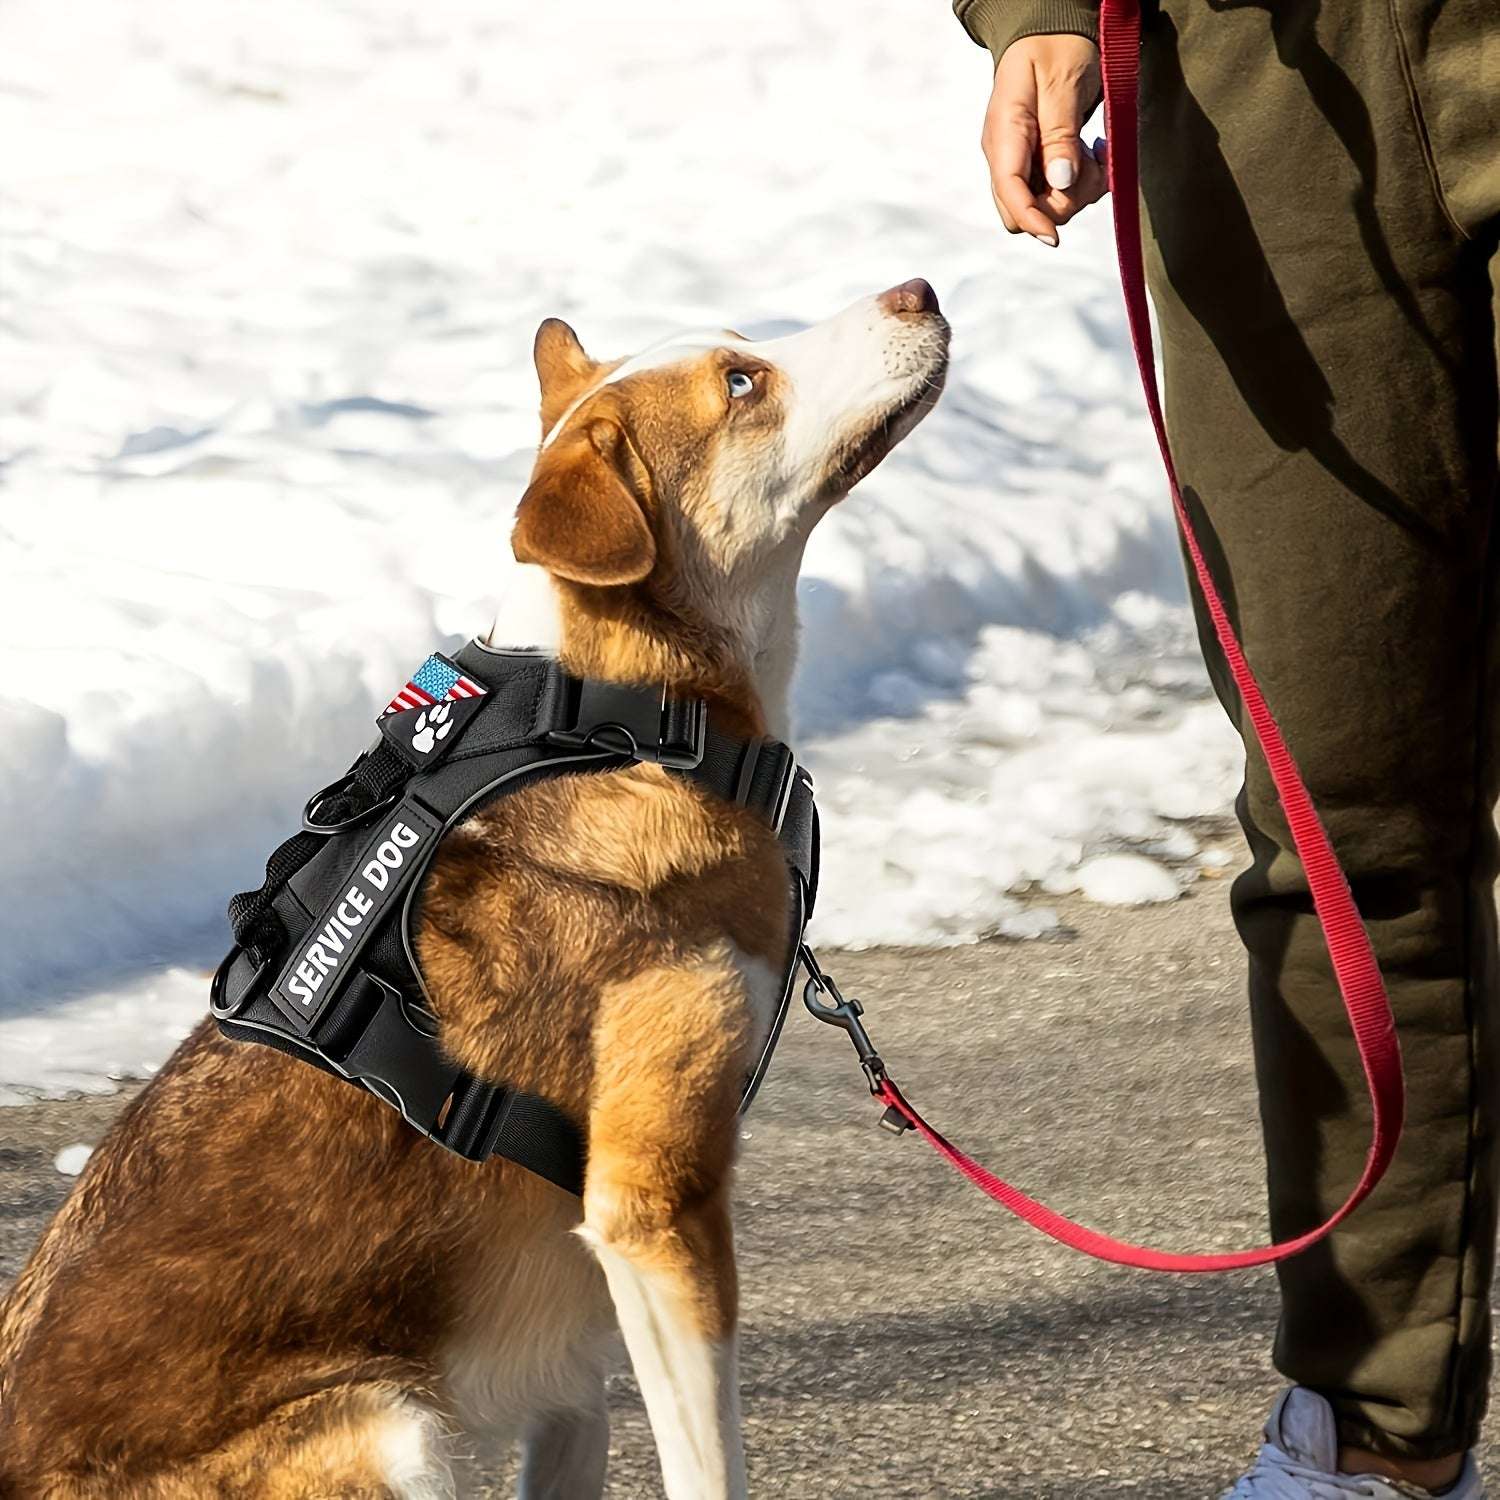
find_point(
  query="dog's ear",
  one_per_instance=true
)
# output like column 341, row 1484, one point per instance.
column 581, row 515
column 563, row 370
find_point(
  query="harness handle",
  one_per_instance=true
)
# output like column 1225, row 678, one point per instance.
column 1360, row 984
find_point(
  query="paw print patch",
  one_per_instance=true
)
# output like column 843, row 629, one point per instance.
column 423, row 736
column 432, row 725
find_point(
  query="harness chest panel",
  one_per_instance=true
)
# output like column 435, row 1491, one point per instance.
column 331, row 947
column 323, row 965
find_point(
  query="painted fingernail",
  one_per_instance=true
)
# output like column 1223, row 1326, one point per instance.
column 1060, row 173
column 1048, row 239
column 1100, row 149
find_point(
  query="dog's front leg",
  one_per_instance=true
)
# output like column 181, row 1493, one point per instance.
column 670, row 1060
column 685, row 1361
column 564, row 1454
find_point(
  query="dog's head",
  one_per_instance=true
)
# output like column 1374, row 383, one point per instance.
column 682, row 483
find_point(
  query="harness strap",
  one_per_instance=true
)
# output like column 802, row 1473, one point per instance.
column 1360, row 984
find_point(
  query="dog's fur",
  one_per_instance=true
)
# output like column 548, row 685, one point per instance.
column 265, row 1284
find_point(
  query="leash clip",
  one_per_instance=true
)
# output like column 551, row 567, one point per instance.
column 845, row 1013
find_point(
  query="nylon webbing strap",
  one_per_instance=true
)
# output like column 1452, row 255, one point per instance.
column 1359, row 980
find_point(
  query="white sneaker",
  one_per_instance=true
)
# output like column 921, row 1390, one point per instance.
column 1300, row 1457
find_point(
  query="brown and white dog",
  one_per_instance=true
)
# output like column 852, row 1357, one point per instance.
column 265, row 1284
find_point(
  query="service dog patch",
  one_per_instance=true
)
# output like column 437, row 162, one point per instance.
column 326, row 952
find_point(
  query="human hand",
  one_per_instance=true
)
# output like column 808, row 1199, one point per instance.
column 1041, row 173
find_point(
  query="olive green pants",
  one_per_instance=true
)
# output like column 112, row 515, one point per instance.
column 1323, row 187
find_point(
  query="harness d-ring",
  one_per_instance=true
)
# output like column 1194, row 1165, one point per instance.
column 337, row 788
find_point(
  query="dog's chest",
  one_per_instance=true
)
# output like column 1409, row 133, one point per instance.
column 532, row 1326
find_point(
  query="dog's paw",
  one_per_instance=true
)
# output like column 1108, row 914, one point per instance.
column 432, row 725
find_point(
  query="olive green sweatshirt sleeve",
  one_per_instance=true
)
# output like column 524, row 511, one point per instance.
column 997, row 23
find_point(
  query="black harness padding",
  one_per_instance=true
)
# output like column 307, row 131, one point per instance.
column 323, row 966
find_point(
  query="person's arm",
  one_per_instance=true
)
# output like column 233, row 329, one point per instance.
column 1046, row 85
column 997, row 23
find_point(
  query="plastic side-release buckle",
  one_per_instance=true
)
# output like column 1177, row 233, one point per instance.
column 636, row 722
column 397, row 1058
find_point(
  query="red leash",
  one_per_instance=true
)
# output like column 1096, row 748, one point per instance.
column 1354, row 965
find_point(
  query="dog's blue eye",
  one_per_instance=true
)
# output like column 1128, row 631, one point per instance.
column 739, row 383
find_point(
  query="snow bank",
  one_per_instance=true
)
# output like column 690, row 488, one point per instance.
column 272, row 274
column 85, row 1043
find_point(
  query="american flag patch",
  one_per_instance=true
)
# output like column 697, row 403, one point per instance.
column 435, row 680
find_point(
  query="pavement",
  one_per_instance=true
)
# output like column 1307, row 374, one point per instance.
column 902, row 1336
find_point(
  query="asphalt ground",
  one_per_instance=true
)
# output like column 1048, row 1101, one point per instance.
column 902, row 1336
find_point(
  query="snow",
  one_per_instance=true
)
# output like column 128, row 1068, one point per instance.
column 71, row 1160
column 85, row 1043
column 1125, row 880
column 271, row 273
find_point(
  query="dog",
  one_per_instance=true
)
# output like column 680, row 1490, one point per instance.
column 265, row 1284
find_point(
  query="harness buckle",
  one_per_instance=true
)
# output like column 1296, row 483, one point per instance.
column 665, row 731
column 396, row 1057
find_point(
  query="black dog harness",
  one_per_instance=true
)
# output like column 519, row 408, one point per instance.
column 323, row 966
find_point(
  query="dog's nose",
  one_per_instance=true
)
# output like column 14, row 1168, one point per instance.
column 914, row 296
